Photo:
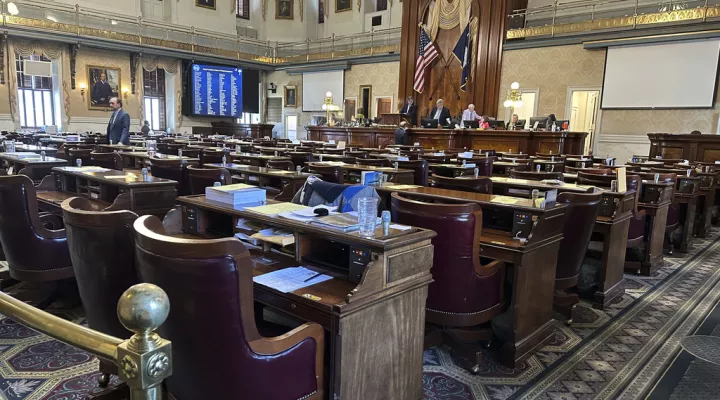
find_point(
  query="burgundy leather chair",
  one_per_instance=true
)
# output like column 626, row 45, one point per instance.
column 580, row 215
column 375, row 162
column 420, row 169
column 106, row 160
column 83, row 154
column 483, row 164
column 537, row 176
column 217, row 350
column 175, row 170
column 211, row 156
column 34, row 252
column 328, row 173
column 200, row 178
column 481, row 184
column 101, row 246
column 465, row 294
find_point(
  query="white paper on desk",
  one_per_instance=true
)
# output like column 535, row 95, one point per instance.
column 310, row 212
column 400, row 227
column 275, row 232
column 290, row 279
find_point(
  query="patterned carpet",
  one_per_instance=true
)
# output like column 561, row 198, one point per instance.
column 619, row 353
column 615, row 354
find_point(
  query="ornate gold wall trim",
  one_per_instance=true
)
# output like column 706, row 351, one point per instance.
column 700, row 13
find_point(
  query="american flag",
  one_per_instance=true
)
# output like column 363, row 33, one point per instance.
column 427, row 52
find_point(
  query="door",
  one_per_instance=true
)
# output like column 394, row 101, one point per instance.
column 583, row 110
column 291, row 122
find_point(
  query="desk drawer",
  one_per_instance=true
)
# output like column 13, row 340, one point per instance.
column 294, row 308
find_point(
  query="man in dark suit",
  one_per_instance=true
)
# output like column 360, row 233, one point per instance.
column 101, row 92
column 409, row 108
column 440, row 113
column 401, row 135
column 118, row 129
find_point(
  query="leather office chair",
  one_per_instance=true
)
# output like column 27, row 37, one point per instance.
column 217, row 350
column 83, row 154
column 549, row 156
column 483, row 164
column 375, row 162
column 328, row 173
column 175, row 170
column 163, row 148
column 212, row 156
column 537, row 176
column 281, row 164
column 101, row 246
column 106, row 160
column 464, row 294
column 467, row 184
column 420, row 170
column 172, row 149
column 34, row 244
column 300, row 158
column 199, row 178
column 580, row 218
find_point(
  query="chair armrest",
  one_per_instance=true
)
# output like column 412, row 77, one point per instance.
column 50, row 221
column 284, row 342
column 489, row 269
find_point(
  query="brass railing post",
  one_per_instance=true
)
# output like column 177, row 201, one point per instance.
column 145, row 359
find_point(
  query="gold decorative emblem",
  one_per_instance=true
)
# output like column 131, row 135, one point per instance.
column 129, row 367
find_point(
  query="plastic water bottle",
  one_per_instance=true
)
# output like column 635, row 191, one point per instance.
column 78, row 162
column 145, row 174
column 395, row 164
column 614, row 185
column 224, row 160
column 657, row 178
column 180, row 153
column 386, row 222
column 477, row 172
column 537, row 168
column 367, row 215
column 217, row 184
column 298, row 169
column 42, row 155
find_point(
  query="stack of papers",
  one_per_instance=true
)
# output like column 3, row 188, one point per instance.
column 239, row 193
column 290, row 279
column 307, row 214
column 275, row 235
column 277, row 208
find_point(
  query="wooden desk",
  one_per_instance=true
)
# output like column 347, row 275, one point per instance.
column 374, row 326
column 684, row 146
column 31, row 164
column 117, row 147
column 400, row 175
column 29, row 148
column 708, row 189
column 687, row 193
column 612, row 223
column 282, row 184
column 527, row 325
column 451, row 170
column 505, row 168
column 258, row 158
column 655, row 199
column 141, row 159
column 578, row 163
column 120, row 190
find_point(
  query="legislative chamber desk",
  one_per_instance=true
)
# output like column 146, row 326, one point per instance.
column 374, row 316
column 107, row 190
column 280, row 183
column 399, row 175
column 514, row 141
column 612, row 223
column 31, row 164
column 527, row 325
column 704, row 148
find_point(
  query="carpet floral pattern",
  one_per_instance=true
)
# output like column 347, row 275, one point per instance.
column 613, row 354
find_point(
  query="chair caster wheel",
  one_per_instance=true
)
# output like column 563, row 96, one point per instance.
column 475, row 369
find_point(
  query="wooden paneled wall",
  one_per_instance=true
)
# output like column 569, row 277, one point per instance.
column 443, row 79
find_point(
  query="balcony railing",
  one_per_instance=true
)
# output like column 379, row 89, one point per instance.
column 567, row 18
column 76, row 21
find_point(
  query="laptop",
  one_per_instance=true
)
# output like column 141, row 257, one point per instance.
column 429, row 123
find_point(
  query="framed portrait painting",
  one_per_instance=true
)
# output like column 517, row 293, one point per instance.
column 104, row 84
column 205, row 4
column 284, row 9
column 290, row 96
column 343, row 5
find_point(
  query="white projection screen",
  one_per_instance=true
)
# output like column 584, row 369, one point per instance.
column 316, row 84
column 667, row 75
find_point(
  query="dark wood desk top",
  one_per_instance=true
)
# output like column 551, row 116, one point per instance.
column 360, row 167
column 32, row 159
column 34, row 149
column 120, row 147
column 263, row 171
column 540, row 185
column 397, row 238
column 112, row 177
column 158, row 156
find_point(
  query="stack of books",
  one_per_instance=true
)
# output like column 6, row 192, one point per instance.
column 239, row 193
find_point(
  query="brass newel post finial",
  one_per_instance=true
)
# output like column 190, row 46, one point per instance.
column 145, row 359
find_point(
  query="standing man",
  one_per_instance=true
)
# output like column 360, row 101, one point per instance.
column 409, row 108
column 469, row 115
column 440, row 113
column 118, row 129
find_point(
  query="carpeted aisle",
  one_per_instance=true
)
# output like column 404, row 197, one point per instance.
column 619, row 353
column 630, row 351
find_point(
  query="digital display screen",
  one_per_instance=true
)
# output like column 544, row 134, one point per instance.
column 217, row 90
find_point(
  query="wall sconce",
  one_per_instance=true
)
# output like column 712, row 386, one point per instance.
column 82, row 90
column 513, row 97
column 125, row 92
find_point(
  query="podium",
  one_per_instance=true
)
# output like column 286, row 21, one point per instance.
column 395, row 118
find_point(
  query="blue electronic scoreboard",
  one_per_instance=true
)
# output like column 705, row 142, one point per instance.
column 217, row 90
